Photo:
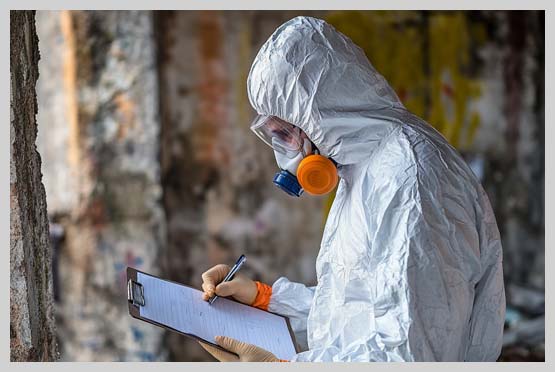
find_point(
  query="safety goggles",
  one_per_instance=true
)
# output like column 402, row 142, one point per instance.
column 280, row 135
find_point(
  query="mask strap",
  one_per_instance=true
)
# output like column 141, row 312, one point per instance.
column 312, row 148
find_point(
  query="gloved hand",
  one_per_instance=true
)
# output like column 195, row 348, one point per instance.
column 246, row 352
column 240, row 287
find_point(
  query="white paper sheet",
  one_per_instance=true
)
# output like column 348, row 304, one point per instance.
column 183, row 309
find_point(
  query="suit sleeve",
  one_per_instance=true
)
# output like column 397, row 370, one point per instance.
column 294, row 301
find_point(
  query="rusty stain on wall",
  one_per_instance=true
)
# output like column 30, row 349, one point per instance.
column 70, row 87
column 125, row 114
column 78, row 257
column 209, row 136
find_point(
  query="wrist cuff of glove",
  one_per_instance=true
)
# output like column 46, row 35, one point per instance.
column 262, row 299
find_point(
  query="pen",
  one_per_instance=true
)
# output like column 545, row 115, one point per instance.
column 230, row 274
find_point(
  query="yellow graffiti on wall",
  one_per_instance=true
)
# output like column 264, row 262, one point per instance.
column 426, row 62
column 451, row 88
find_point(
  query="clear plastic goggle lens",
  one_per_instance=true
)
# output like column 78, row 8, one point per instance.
column 284, row 149
column 278, row 134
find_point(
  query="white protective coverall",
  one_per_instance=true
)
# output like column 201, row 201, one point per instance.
column 410, row 263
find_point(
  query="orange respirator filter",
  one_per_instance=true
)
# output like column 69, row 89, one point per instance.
column 317, row 174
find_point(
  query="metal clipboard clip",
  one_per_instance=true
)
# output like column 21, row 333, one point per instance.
column 135, row 293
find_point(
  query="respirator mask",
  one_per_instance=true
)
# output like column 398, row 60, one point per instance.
column 302, row 167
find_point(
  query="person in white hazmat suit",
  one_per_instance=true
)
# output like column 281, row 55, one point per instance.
column 410, row 264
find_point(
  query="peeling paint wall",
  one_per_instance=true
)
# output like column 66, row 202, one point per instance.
column 100, row 145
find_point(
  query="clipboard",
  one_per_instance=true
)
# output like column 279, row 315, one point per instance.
column 136, row 298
